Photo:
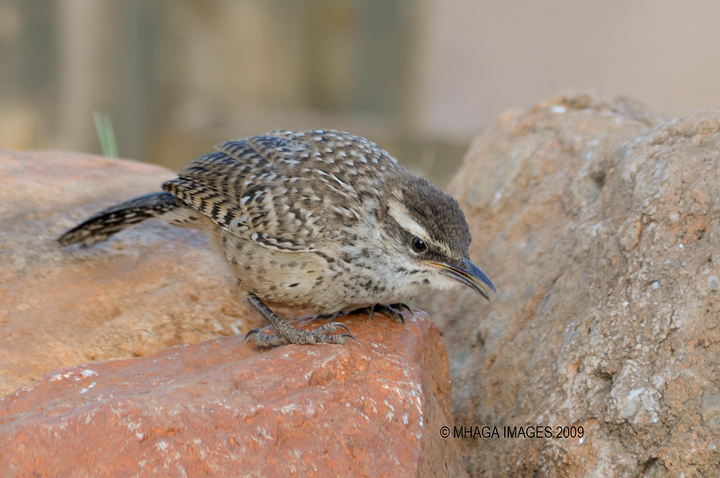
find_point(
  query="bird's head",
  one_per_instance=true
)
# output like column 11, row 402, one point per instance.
column 430, row 232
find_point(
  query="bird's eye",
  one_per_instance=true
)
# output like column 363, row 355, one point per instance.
column 418, row 245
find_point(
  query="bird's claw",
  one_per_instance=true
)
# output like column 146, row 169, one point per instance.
column 250, row 334
column 330, row 327
column 265, row 340
column 348, row 335
column 392, row 310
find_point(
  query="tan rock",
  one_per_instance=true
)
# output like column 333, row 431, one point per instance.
column 599, row 224
column 223, row 408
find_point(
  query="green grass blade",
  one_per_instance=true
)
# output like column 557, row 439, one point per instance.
column 106, row 134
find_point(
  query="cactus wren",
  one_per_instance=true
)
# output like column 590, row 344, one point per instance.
column 323, row 221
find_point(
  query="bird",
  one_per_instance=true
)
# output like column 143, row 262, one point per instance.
column 322, row 221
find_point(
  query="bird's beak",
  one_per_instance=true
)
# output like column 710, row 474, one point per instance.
column 468, row 274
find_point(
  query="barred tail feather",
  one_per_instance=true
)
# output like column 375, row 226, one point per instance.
column 116, row 218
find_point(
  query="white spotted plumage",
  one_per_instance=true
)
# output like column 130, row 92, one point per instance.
column 283, row 172
column 322, row 221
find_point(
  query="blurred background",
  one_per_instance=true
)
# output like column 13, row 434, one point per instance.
column 419, row 77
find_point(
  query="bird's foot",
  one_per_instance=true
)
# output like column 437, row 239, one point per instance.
column 394, row 311
column 324, row 334
column 287, row 334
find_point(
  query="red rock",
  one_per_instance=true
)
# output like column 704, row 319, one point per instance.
column 223, row 408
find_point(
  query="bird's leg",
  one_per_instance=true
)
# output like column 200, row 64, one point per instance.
column 394, row 311
column 287, row 334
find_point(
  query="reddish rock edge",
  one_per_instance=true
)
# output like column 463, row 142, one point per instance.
column 223, row 408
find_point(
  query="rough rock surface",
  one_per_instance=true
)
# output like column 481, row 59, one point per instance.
column 223, row 408
column 151, row 287
column 599, row 222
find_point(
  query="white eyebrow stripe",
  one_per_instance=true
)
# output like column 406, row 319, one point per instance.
column 400, row 213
